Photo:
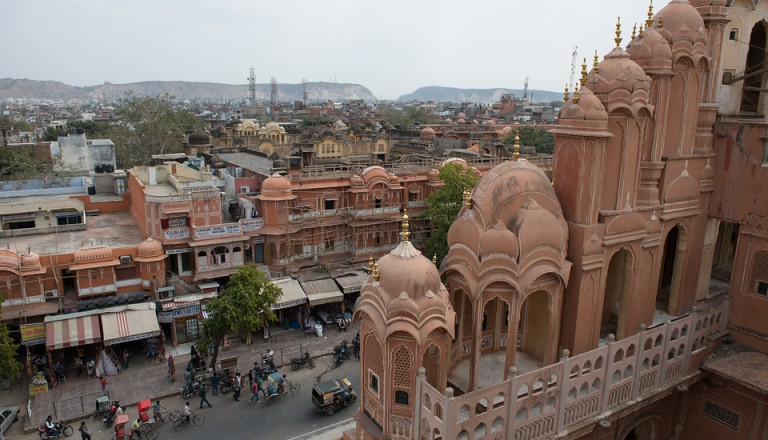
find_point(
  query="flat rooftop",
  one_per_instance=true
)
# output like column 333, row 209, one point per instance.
column 115, row 230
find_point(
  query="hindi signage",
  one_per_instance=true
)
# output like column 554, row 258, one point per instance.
column 252, row 224
column 218, row 230
column 32, row 334
column 177, row 222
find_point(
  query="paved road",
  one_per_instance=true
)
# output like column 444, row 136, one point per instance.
column 293, row 415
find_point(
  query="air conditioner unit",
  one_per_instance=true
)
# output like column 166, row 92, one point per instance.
column 125, row 259
column 247, row 246
column 52, row 293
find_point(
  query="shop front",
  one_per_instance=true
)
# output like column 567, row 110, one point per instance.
column 181, row 320
column 67, row 337
column 290, row 306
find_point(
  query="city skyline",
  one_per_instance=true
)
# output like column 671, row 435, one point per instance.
column 391, row 50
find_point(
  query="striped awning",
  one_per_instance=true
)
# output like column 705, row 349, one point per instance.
column 293, row 294
column 71, row 332
column 129, row 325
column 322, row 291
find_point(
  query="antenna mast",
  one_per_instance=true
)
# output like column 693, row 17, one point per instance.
column 574, row 54
column 526, row 99
column 252, row 86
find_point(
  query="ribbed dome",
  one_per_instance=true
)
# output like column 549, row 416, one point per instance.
column 499, row 240
column 95, row 253
column 276, row 185
column 680, row 22
column 406, row 270
column 461, row 121
column 465, row 230
column 536, row 227
column 373, row 172
column 651, row 51
column 199, row 138
column 9, row 260
column 433, row 174
column 589, row 107
column 356, row 180
column 30, row 261
column 618, row 72
column 506, row 130
column 427, row 134
column 150, row 248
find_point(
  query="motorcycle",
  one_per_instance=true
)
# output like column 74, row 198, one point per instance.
column 109, row 417
column 342, row 349
column 268, row 363
column 305, row 359
column 61, row 429
column 190, row 389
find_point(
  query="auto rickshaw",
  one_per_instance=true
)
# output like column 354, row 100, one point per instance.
column 331, row 395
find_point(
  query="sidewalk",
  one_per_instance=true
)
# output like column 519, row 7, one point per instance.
column 146, row 378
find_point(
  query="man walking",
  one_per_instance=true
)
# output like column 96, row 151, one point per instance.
column 238, row 384
column 84, row 431
column 215, row 380
column 202, row 397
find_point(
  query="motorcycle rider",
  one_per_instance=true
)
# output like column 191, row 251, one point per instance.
column 51, row 427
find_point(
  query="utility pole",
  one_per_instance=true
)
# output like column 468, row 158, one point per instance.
column 252, row 86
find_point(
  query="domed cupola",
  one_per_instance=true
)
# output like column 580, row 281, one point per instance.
column 150, row 250
column 619, row 80
column 31, row 261
column 94, row 253
column 651, row 51
column 275, row 187
column 683, row 27
column 405, row 293
column 427, row 134
column 584, row 110
column 199, row 138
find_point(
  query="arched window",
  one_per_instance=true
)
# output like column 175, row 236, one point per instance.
column 754, row 71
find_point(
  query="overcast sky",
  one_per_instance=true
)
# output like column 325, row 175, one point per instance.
column 391, row 47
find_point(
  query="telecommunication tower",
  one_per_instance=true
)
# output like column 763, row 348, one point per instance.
column 526, row 99
column 272, row 97
column 252, row 86
column 574, row 54
column 305, row 94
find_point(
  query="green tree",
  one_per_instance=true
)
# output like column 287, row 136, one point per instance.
column 92, row 130
column 402, row 118
column 19, row 164
column 149, row 125
column 17, row 126
column 531, row 136
column 243, row 306
column 10, row 368
column 445, row 204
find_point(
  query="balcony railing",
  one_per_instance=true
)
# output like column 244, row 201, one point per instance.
column 580, row 389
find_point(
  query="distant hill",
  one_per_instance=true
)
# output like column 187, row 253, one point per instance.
column 55, row 90
column 486, row 96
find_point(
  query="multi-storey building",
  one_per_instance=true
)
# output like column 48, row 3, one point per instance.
column 624, row 299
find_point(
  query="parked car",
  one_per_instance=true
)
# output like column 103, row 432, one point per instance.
column 8, row 415
column 331, row 395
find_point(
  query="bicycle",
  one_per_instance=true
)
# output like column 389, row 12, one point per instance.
column 197, row 419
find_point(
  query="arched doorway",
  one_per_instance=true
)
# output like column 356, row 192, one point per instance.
column 432, row 366
column 671, row 270
column 535, row 327
column 751, row 92
column 642, row 431
column 618, row 285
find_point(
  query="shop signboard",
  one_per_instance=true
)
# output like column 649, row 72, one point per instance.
column 252, row 224
column 186, row 311
column 175, row 234
column 165, row 317
column 218, row 230
column 32, row 334
column 130, row 338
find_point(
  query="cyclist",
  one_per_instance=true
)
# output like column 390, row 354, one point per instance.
column 156, row 411
column 135, row 428
column 187, row 412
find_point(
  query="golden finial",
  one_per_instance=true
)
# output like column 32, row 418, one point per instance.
column 640, row 35
column 618, row 32
column 405, row 234
column 595, row 65
column 466, row 196
column 576, row 94
column 434, row 259
column 565, row 95
column 649, row 21
column 583, row 79
column 516, row 154
column 376, row 271
column 370, row 263
column 661, row 21
column 634, row 30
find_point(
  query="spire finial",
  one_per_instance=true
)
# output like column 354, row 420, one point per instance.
column 370, row 263
column 661, row 21
column 576, row 94
column 434, row 259
column 405, row 234
column 516, row 154
column 649, row 21
column 634, row 30
column 618, row 32
column 565, row 95
column 583, row 79
column 466, row 196
column 376, row 271
column 595, row 65
column 640, row 34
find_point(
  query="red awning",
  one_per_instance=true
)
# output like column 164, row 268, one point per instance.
column 72, row 332
column 178, row 304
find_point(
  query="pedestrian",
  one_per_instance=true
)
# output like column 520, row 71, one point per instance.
column 202, row 397
column 103, row 385
column 84, row 431
column 356, row 343
column 91, row 368
column 79, row 365
column 125, row 358
column 238, row 384
column 250, row 377
column 171, row 368
column 215, row 380
column 254, row 391
column 156, row 411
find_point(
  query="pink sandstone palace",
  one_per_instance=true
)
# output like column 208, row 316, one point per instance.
column 624, row 299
